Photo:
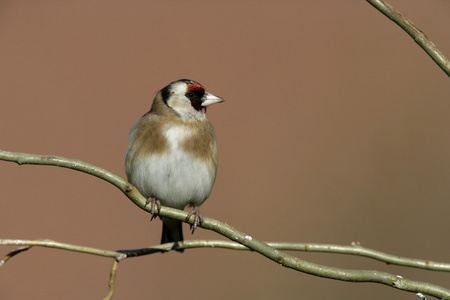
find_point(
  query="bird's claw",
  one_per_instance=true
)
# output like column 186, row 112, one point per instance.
column 198, row 218
column 154, row 203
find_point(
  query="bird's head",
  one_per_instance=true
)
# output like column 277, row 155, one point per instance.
column 188, row 98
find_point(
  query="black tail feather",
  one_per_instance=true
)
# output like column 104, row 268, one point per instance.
column 172, row 233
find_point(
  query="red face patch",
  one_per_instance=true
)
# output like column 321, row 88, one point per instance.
column 197, row 90
column 195, row 87
column 198, row 107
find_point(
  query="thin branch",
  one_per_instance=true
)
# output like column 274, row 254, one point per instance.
column 13, row 253
column 112, row 281
column 64, row 246
column 76, row 164
column 119, row 255
column 233, row 234
column 354, row 249
column 419, row 37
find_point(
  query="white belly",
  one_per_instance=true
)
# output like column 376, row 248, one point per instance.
column 174, row 178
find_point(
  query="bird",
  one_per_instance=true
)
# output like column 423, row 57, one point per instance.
column 172, row 154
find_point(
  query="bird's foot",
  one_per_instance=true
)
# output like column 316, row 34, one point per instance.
column 198, row 218
column 155, row 204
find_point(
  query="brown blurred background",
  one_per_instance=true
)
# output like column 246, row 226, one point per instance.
column 335, row 130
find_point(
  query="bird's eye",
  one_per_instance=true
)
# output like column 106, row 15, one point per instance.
column 190, row 95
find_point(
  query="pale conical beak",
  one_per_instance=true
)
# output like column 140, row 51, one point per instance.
column 209, row 99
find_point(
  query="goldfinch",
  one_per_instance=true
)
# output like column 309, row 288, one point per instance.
column 172, row 153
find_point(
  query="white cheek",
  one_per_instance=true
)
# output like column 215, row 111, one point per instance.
column 183, row 107
column 180, row 104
